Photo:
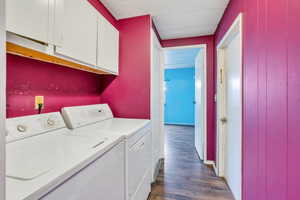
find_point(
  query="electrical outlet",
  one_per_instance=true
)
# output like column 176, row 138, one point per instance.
column 39, row 100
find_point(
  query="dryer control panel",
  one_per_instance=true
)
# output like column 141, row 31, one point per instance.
column 79, row 116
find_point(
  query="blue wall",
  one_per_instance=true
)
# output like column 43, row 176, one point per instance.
column 180, row 96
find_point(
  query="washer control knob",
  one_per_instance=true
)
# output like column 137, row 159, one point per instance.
column 50, row 122
column 21, row 128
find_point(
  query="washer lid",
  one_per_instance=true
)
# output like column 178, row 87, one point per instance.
column 32, row 157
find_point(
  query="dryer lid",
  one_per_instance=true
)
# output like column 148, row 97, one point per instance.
column 79, row 116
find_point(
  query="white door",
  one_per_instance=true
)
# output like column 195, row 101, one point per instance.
column 78, row 26
column 200, row 104
column 28, row 18
column 230, row 114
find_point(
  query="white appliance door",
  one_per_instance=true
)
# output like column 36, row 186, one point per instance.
column 200, row 101
column 139, row 162
column 102, row 179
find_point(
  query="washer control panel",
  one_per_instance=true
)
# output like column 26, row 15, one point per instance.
column 28, row 126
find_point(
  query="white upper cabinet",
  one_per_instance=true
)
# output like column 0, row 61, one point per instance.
column 70, row 29
column 29, row 18
column 76, row 27
column 108, row 46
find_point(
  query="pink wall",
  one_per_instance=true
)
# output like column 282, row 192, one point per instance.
column 271, row 96
column 61, row 86
column 129, row 93
column 209, row 40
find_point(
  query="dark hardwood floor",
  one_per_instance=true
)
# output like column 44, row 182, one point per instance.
column 184, row 176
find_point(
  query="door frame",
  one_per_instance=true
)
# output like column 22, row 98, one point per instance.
column 2, row 98
column 235, row 28
column 155, row 42
column 204, row 47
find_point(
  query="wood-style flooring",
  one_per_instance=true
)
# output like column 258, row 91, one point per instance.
column 184, row 176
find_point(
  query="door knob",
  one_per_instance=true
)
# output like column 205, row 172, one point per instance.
column 223, row 120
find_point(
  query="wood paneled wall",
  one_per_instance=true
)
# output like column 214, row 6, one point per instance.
column 271, row 123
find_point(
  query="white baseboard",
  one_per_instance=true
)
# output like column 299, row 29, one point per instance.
column 209, row 162
column 159, row 166
column 215, row 169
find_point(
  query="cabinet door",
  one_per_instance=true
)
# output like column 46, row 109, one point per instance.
column 28, row 18
column 56, row 9
column 79, row 31
column 108, row 46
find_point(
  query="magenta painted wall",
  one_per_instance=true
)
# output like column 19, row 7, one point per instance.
column 61, row 86
column 271, row 96
column 209, row 40
column 129, row 93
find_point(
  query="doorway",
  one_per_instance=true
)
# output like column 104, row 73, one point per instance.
column 185, row 91
column 180, row 86
column 229, row 108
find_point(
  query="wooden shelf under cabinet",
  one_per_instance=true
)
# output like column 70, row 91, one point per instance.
column 15, row 49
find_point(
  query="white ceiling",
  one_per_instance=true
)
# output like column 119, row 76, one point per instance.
column 181, row 58
column 173, row 18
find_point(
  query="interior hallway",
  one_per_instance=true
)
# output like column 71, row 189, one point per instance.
column 184, row 176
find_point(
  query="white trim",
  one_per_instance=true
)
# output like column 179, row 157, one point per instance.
column 234, row 30
column 204, row 47
column 185, row 47
column 162, row 61
column 209, row 162
column 157, row 90
column 236, row 27
column 215, row 168
column 2, row 98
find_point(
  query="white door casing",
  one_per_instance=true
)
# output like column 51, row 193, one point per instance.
column 157, row 107
column 200, row 104
column 229, row 108
column 203, row 48
column 2, row 98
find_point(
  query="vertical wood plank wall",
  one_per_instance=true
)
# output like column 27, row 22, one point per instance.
column 271, row 96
